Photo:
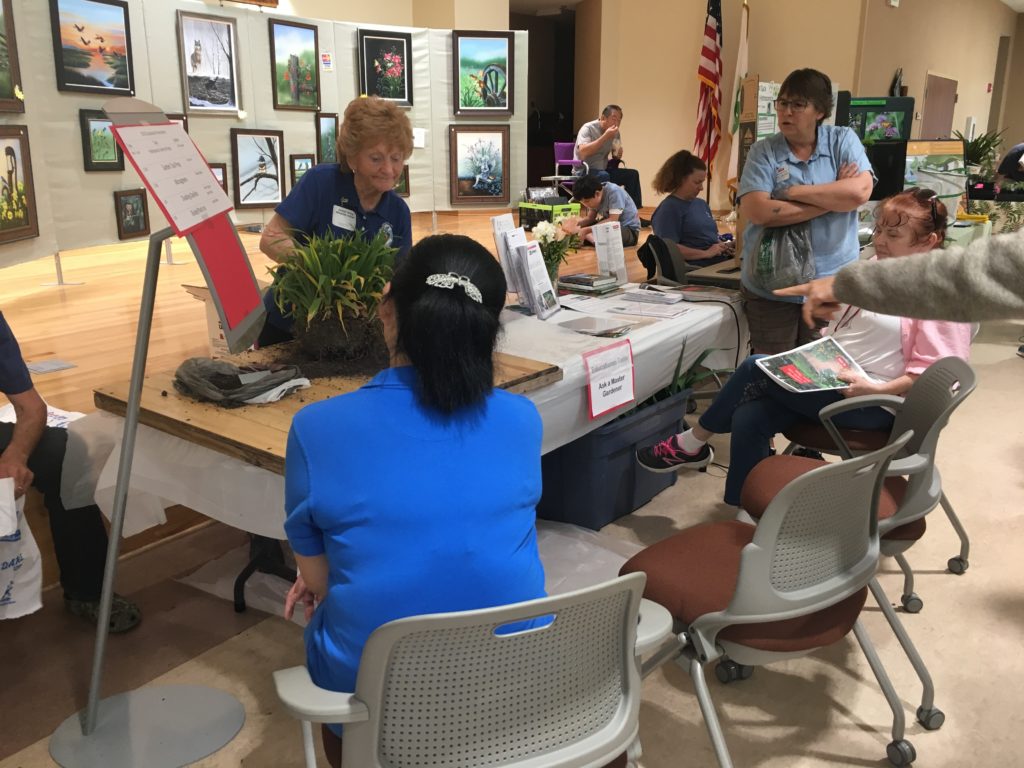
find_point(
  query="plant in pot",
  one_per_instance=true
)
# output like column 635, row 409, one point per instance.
column 331, row 286
column 556, row 239
column 981, row 153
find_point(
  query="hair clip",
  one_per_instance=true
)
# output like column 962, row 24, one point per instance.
column 451, row 279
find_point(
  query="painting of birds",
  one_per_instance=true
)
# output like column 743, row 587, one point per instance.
column 80, row 29
column 84, row 41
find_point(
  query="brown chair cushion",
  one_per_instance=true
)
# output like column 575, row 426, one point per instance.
column 694, row 572
column 774, row 473
column 813, row 435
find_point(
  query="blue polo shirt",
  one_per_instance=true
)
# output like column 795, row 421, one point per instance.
column 614, row 199
column 309, row 209
column 14, row 375
column 689, row 223
column 834, row 234
column 415, row 513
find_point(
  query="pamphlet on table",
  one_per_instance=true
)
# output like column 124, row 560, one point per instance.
column 536, row 290
column 814, row 367
column 611, row 259
column 500, row 226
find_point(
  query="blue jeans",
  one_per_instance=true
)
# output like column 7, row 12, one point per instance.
column 754, row 409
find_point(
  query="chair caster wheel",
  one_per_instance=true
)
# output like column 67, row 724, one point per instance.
column 912, row 603
column 900, row 752
column 957, row 565
column 932, row 719
column 728, row 671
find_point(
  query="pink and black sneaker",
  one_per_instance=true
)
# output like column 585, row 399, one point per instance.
column 667, row 456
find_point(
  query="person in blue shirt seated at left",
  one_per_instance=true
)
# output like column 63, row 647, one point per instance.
column 374, row 142
column 682, row 219
column 416, row 493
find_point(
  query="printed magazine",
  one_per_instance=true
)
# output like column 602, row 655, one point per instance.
column 813, row 367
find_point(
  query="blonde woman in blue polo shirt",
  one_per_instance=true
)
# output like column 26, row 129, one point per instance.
column 417, row 493
column 806, row 172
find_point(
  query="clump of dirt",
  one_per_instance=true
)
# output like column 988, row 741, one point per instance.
column 324, row 351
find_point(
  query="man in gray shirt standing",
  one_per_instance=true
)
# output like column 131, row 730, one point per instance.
column 599, row 140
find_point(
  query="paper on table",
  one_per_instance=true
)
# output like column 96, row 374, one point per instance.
column 8, row 507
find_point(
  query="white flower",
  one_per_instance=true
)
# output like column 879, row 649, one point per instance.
column 544, row 231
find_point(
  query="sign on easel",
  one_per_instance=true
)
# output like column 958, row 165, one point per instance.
column 196, row 206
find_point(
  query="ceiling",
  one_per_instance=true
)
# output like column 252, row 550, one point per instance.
column 544, row 7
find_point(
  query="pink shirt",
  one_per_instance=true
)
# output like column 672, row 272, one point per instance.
column 925, row 341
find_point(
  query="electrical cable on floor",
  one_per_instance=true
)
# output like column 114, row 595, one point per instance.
column 735, row 317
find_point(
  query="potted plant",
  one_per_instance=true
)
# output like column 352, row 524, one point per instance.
column 981, row 153
column 331, row 286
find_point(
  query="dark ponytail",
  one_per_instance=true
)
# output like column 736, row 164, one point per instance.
column 448, row 337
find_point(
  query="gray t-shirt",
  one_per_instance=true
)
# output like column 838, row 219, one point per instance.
column 615, row 200
column 592, row 131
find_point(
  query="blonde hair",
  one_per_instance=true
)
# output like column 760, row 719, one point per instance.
column 369, row 121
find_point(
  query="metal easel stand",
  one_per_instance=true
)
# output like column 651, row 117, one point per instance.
column 155, row 726
column 60, row 273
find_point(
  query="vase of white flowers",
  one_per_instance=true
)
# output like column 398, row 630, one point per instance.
column 556, row 239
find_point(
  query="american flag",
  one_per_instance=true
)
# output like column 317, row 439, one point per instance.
column 709, row 72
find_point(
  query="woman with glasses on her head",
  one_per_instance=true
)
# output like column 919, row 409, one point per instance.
column 416, row 493
column 892, row 350
column 807, row 172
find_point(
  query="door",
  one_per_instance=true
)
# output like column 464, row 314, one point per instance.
column 939, row 103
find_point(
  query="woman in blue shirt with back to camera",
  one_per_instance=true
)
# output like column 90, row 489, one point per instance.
column 356, row 193
column 811, row 172
column 417, row 493
column 682, row 219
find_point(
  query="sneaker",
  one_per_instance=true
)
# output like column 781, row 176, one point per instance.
column 644, row 223
column 666, row 456
column 124, row 614
column 807, row 453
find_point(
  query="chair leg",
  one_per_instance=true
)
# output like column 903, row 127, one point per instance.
column 899, row 750
column 957, row 564
column 633, row 753
column 930, row 716
column 790, row 448
column 707, row 709
column 909, row 599
column 308, row 747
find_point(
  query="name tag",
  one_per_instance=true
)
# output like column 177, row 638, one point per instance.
column 782, row 173
column 344, row 218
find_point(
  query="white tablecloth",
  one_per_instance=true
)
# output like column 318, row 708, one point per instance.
column 167, row 470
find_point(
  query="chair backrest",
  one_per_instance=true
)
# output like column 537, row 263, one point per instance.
column 655, row 255
column 815, row 545
column 565, row 156
column 930, row 401
column 448, row 690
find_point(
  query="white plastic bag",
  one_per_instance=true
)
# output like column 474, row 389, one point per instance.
column 21, row 571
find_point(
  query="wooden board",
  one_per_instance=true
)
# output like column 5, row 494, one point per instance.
column 258, row 433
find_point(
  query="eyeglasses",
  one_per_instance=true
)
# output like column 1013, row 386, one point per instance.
column 798, row 105
column 925, row 195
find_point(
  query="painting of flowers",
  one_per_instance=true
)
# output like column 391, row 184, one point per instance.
column 208, row 57
column 257, row 157
column 92, row 46
column 482, row 69
column 384, row 66
column 99, row 148
column 478, row 156
column 326, row 136
column 293, row 65
column 11, row 97
column 18, row 219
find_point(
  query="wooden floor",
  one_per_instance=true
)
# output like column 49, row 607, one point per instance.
column 93, row 325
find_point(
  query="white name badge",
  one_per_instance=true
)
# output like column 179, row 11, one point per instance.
column 782, row 173
column 344, row 218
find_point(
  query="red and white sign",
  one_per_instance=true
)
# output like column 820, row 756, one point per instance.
column 609, row 377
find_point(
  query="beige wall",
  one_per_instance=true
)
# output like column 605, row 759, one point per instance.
column 587, row 66
column 459, row 14
column 897, row 37
column 393, row 12
column 1013, row 112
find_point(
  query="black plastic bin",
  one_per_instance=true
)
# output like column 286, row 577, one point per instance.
column 595, row 479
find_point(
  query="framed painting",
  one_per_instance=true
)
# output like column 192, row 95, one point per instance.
column 402, row 187
column 179, row 118
column 299, row 165
column 18, row 216
column 294, row 65
column 478, row 157
column 92, row 49
column 220, row 173
column 131, row 213
column 326, row 136
column 257, row 157
column 483, row 65
column 384, row 65
column 208, row 55
column 11, row 97
column 99, row 148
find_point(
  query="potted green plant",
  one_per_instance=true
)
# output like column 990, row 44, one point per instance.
column 331, row 286
column 981, row 153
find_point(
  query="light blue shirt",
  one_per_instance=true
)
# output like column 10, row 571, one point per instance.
column 772, row 164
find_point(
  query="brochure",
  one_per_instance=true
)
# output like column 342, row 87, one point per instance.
column 514, row 238
column 499, row 226
column 814, row 367
column 651, row 296
column 611, row 259
column 532, row 277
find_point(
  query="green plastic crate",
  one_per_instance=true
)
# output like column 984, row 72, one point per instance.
column 532, row 213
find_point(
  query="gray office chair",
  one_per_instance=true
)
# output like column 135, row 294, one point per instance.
column 747, row 595
column 927, row 413
column 429, row 688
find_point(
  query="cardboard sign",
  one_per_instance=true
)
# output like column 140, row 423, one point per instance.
column 609, row 377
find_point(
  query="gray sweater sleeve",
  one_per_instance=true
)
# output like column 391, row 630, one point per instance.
column 984, row 281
